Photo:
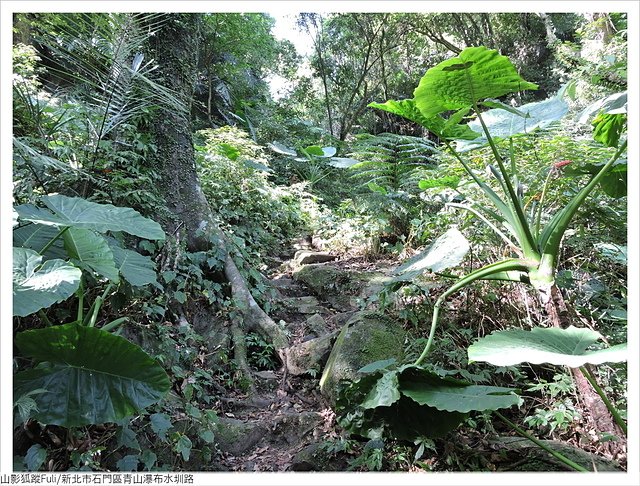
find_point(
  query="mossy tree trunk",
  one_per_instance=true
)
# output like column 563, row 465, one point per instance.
column 175, row 49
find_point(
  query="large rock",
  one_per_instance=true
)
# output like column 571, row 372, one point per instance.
column 304, row 305
column 322, row 279
column 367, row 337
column 306, row 257
column 317, row 325
column 237, row 437
column 344, row 289
column 309, row 356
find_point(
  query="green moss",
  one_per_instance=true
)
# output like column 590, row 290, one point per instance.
column 370, row 337
column 320, row 278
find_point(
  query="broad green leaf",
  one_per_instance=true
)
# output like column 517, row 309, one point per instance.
column 314, row 150
column 149, row 459
column 160, row 424
column 135, row 268
column 80, row 213
column 477, row 73
column 427, row 388
column 377, row 365
column 403, row 419
column 612, row 104
column 207, row 436
column 385, row 392
column 92, row 376
column 566, row 347
column 404, row 108
column 503, row 124
column 38, row 286
column 14, row 216
column 616, row 253
column 89, row 250
column 183, row 446
column 281, row 149
column 447, row 251
column 328, row 151
column 128, row 463
column 127, row 437
column 613, row 182
column 445, row 129
column 608, row 128
column 36, row 455
column 408, row 420
column 36, row 237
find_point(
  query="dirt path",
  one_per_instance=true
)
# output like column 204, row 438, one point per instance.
column 278, row 428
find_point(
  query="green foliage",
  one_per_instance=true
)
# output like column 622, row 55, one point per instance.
column 460, row 84
column 504, row 124
column 409, row 402
column 557, row 346
column 256, row 213
column 477, row 73
column 35, row 458
column 80, row 362
column 393, row 162
column 91, row 376
column 447, row 251
column 388, row 170
column 39, row 285
column 261, row 355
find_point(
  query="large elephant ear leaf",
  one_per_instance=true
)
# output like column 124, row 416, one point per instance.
column 91, row 376
column 449, row 395
column 447, row 251
column 477, row 73
column 37, row 237
column 37, row 286
column 568, row 347
column 90, row 250
column 137, row 269
column 502, row 123
column 76, row 212
column 446, row 129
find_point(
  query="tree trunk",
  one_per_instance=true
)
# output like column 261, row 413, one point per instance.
column 175, row 49
column 598, row 415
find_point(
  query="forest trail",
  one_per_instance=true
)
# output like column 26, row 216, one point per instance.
column 288, row 424
column 282, row 426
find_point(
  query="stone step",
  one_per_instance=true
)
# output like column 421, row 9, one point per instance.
column 304, row 305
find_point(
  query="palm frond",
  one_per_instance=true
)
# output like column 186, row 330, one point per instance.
column 103, row 53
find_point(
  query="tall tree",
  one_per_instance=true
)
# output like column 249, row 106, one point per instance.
column 175, row 47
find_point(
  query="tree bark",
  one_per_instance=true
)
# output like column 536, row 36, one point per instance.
column 175, row 49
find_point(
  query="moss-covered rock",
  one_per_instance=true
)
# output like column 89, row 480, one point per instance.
column 236, row 437
column 367, row 337
column 344, row 289
column 322, row 279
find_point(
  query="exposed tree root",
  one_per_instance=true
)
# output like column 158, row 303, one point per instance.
column 175, row 48
column 254, row 318
column 240, row 354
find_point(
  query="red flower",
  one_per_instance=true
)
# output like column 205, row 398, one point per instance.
column 561, row 163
